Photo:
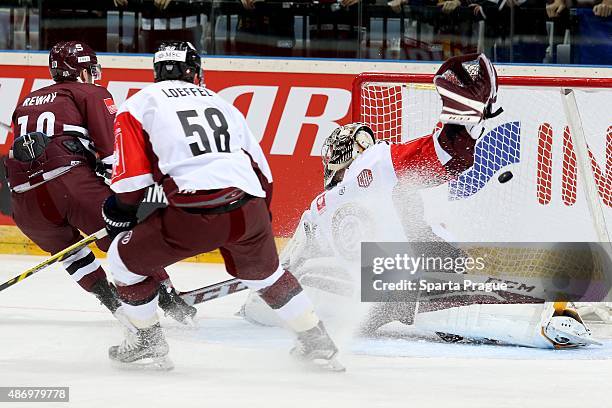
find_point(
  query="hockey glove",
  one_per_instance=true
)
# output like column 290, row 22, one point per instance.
column 459, row 146
column 468, row 88
column 118, row 217
column 104, row 170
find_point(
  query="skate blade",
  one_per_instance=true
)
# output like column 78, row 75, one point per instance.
column 587, row 341
column 319, row 364
column 332, row 365
column 189, row 322
column 147, row 364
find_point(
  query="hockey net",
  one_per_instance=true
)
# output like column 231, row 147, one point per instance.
column 561, row 191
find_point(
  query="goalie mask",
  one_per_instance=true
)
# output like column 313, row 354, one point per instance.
column 342, row 147
column 468, row 87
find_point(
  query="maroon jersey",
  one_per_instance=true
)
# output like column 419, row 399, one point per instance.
column 63, row 110
column 70, row 108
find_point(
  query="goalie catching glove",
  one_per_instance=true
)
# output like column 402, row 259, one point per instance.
column 468, row 88
column 118, row 217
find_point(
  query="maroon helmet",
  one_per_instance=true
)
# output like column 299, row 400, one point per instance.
column 68, row 59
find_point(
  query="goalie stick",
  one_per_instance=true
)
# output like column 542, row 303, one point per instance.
column 58, row 257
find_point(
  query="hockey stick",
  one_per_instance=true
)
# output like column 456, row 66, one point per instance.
column 58, row 257
column 221, row 289
column 192, row 297
column 5, row 126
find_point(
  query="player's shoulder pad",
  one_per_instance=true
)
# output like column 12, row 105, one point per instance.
column 139, row 100
column 377, row 148
column 86, row 90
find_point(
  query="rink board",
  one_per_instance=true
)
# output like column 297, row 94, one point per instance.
column 290, row 105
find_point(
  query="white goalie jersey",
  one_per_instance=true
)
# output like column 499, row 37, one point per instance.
column 324, row 255
column 360, row 208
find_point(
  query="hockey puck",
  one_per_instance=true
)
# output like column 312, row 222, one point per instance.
column 505, row 177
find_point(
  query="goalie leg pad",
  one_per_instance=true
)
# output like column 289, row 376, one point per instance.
column 531, row 325
column 517, row 324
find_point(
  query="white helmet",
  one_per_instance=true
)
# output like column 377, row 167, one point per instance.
column 342, row 147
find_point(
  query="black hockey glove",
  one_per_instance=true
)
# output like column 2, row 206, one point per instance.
column 104, row 170
column 118, row 217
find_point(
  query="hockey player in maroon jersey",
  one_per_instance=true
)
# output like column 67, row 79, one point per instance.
column 59, row 162
column 218, row 184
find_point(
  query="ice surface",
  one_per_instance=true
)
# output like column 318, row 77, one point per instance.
column 53, row 334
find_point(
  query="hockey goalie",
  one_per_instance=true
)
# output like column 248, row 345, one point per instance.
column 371, row 194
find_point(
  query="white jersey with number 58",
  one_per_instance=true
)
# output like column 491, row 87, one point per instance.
column 189, row 133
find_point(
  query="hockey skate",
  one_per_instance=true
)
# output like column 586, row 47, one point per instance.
column 316, row 347
column 174, row 306
column 146, row 349
column 567, row 332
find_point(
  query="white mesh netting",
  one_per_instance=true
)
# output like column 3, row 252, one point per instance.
column 545, row 201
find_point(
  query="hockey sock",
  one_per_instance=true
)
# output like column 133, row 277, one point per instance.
column 84, row 268
column 142, row 314
column 287, row 298
column 140, row 302
column 106, row 295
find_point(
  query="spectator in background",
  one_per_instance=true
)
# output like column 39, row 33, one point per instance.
column 529, row 42
column 160, row 4
column 61, row 21
column 449, row 6
column 446, row 6
column 334, row 29
column 454, row 27
column 558, row 12
column 557, row 8
column 165, row 19
column 603, row 9
column 265, row 28
column 590, row 28
column 452, row 24
column 396, row 5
